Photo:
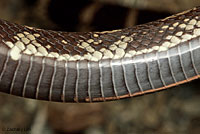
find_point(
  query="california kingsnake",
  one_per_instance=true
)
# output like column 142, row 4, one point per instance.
column 99, row 66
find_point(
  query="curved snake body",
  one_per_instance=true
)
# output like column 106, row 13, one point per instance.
column 99, row 66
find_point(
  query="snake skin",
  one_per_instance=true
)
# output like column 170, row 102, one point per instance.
column 99, row 66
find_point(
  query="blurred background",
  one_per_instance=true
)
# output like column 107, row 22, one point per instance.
column 173, row 111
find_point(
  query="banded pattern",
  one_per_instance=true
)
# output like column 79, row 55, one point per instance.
column 99, row 66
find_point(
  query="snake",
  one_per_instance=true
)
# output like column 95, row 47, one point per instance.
column 99, row 66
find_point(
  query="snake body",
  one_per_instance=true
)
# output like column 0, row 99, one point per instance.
column 99, row 66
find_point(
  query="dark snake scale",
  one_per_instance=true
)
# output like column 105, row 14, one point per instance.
column 99, row 66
